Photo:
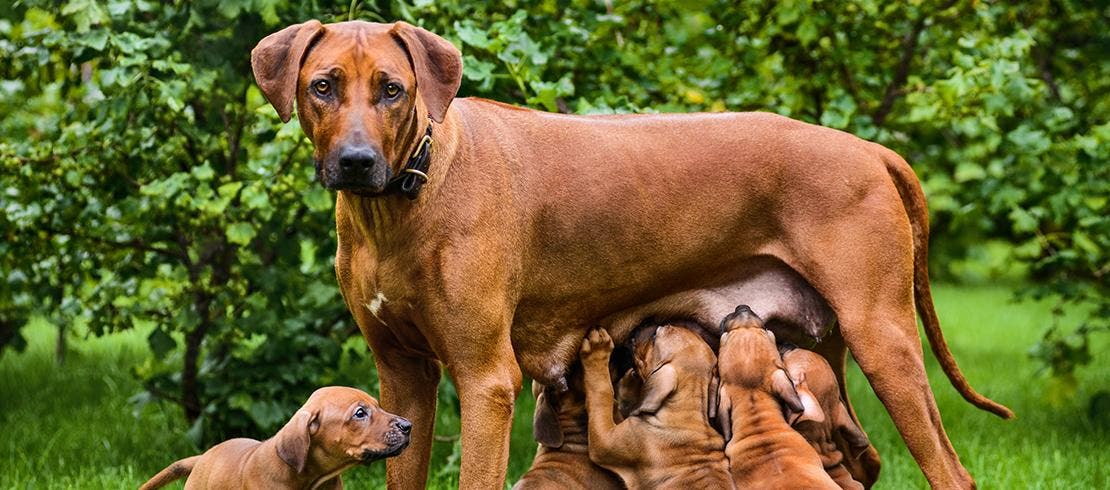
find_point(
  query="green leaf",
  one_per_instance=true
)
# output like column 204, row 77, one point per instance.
column 240, row 233
column 160, row 343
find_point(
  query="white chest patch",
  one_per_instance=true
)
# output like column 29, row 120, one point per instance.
column 375, row 305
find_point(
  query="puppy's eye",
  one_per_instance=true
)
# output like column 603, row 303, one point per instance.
column 391, row 90
column 321, row 87
column 360, row 413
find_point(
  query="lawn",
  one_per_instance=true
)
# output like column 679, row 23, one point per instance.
column 72, row 426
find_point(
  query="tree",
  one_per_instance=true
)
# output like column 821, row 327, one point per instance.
column 146, row 183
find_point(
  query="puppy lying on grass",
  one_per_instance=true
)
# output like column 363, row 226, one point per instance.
column 336, row 429
column 755, row 390
column 666, row 441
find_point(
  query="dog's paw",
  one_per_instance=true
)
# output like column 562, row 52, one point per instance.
column 597, row 345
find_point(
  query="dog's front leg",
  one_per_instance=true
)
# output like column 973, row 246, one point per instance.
column 408, row 388
column 488, row 381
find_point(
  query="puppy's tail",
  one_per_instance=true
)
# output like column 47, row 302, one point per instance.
column 179, row 469
column 913, row 199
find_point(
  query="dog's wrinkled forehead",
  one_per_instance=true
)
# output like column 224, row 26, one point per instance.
column 362, row 47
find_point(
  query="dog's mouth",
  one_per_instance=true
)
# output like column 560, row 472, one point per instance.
column 369, row 456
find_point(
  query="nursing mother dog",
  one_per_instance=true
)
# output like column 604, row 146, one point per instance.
column 487, row 238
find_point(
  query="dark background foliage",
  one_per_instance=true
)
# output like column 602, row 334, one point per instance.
column 146, row 183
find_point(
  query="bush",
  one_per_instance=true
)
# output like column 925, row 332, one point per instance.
column 146, row 182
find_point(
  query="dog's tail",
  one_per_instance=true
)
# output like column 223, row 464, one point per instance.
column 913, row 199
column 179, row 469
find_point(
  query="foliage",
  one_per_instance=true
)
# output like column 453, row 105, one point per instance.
column 146, row 182
column 147, row 187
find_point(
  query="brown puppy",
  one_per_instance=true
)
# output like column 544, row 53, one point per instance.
column 337, row 428
column 763, row 451
column 529, row 227
column 666, row 442
column 825, row 419
column 559, row 426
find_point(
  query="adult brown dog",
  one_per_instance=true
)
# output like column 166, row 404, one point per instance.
column 825, row 421
column 757, row 397
column 531, row 227
column 562, row 460
column 337, row 428
column 667, row 441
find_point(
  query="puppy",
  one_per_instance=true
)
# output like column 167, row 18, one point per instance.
column 562, row 460
column 337, row 428
column 825, row 418
column 762, row 450
column 666, row 442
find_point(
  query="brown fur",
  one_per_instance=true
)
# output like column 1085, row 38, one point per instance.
column 562, row 460
column 757, row 397
column 534, row 226
column 321, row 441
column 825, row 422
column 666, row 442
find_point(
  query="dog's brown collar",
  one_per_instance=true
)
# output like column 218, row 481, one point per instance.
column 415, row 173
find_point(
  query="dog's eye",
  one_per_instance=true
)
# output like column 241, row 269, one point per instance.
column 392, row 90
column 321, row 87
column 360, row 413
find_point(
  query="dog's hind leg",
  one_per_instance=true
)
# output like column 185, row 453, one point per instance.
column 864, row 268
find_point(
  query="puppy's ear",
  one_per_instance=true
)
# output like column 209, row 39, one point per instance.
column 629, row 390
column 852, row 433
column 437, row 64
column 724, row 414
column 276, row 62
column 656, row 389
column 545, row 419
column 783, row 388
column 714, row 391
column 811, row 410
column 295, row 439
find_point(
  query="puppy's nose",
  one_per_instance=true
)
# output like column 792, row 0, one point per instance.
column 358, row 159
column 403, row 425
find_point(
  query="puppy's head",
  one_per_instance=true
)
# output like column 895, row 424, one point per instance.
column 338, row 427
column 750, row 359
column 653, row 347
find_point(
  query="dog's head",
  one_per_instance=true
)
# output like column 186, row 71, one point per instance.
column 825, row 414
column 338, row 427
column 750, row 359
column 364, row 92
column 664, row 357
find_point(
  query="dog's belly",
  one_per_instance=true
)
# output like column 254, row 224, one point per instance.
column 787, row 303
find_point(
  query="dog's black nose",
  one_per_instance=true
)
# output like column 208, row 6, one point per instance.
column 743, row 310
column 358, row 159
column 403, row 425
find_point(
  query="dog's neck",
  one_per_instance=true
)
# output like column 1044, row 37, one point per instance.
column 762, row 415
column 392, row 219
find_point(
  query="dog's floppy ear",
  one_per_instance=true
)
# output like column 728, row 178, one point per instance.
column 852, row 433
column 656, row 389
column 629, row 389
column 545, row 420
column 724, row 414
column 783, row 388
column 811, row 409
column 295, row 438
column 714, row 391
column 276, row 62
column 437, row 64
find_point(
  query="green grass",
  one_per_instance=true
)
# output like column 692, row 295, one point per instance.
column 72, row 426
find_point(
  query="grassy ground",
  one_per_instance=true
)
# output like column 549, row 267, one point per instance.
column 73, row 427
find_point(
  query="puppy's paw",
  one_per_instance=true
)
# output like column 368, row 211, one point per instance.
column 597, row 346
